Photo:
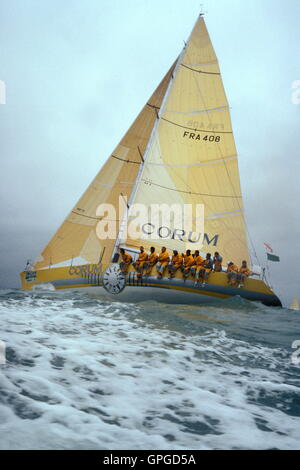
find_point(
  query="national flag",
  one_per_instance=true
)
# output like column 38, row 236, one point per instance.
column 271, row 257
column 268, row 247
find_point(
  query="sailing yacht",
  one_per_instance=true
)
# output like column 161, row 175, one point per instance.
column 295, row 304
column 180, row 150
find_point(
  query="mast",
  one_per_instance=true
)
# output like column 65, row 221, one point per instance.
column 151, row 139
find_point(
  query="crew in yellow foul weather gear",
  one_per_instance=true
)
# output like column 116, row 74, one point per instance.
column 244, row 271
column 163, row 261
column 140, row 262
column 197, row 266
column 126, row 261
column 152, row 260
column 232, row 272
column 206, row 268
column 217, row 262
column 188, row 262
column 175, row 264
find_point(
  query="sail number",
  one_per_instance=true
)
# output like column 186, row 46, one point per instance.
column 206, row 138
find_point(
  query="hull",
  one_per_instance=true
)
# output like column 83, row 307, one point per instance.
column 176, row 290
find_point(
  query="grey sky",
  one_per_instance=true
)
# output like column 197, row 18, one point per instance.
column 78, row 72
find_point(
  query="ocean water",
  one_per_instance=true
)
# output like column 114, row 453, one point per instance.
column 85, row 373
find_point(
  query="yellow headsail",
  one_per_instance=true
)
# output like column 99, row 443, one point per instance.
column 77, row 235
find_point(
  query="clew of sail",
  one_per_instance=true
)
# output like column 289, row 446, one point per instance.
column 192, row 158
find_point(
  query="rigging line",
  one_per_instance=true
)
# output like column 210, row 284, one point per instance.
column 125, row 200
column 140, row 153
column 200, row 71
column 220, row 152
column 189, row 192
column 196, row 130
column 153, row 106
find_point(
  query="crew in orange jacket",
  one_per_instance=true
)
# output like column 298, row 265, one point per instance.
column 163, row 261
column 197, row 266
column 244, row 271
column 232, row 273
column 152, row 260
column 126, row 261
column 188, row 262
column 140, row 262
column 175, row 264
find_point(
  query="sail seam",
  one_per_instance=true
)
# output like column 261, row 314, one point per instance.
column 196, row 130
column 189, row 192
column 209, row 162
column 198, row 111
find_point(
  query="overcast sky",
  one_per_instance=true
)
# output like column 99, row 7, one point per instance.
column 78, row 72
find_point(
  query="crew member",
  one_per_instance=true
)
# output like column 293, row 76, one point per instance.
column 175, row 264
column 206, row 268
column 217, row 262
column 232, row 272
column 188, row 262
column 140, row 262
column 244, row 271
column 126, row 261
column 152, row 260
column 197, row 266
column 162, row 263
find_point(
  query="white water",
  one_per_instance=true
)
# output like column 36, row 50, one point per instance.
column 88, row 374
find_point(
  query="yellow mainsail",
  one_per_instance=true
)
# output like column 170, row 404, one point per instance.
column 180, row 150
column 192, row 158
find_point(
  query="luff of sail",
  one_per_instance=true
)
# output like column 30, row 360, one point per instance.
column 192, row 158
column 76, row 237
